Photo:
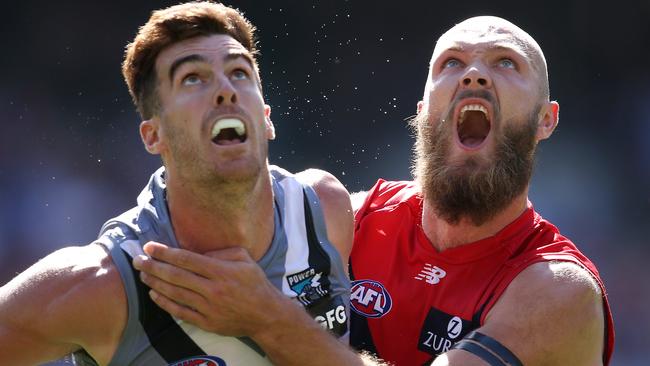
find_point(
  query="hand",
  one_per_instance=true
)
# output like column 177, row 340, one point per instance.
column 224, row 291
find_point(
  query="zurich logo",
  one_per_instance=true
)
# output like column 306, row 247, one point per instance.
column 200, row 361
column 370, row 299
column 454, row 327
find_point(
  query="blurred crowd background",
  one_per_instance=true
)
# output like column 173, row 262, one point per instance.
column 342, row 77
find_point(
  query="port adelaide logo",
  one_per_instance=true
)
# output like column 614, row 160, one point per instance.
column 308, row 285
column 370, row 299
column 200, row 361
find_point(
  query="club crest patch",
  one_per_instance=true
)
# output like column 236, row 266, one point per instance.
column 308, row 285
column 370, row 299
column 200, row 361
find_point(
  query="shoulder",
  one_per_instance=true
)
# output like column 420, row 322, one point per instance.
column 552, row 311
column 334, row 197
column 326, row 185
column 558, row 282
column 73, row 298
column 386, row 195
column 337, row 208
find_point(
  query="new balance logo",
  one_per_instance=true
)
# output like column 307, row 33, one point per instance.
column 431, row 274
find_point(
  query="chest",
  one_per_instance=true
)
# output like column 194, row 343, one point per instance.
column 410, row 298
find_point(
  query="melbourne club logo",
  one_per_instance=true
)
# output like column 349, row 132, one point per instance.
column 307, row 285
column 200, row 361
column 431, row 274
column 370, row 299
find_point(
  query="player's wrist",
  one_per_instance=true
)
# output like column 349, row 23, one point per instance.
column 286, row 318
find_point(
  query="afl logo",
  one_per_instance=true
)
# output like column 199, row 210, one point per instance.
column 370, row 299
column 200, row 361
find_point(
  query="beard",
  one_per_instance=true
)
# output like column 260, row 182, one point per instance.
column 191, row 164
column 475, row 188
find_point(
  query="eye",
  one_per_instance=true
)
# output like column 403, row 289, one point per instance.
column 506, row 63
column 452, row 62
column 191, row 79
column 240, row 74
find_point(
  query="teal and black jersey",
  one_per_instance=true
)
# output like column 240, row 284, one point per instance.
column 300, row 262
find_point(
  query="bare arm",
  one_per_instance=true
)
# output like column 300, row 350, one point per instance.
column 71, row 299
column 551, row 314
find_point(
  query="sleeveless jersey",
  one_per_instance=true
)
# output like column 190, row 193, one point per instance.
column 410, row 302
column 300, row 262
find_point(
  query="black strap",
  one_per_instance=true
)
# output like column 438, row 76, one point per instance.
column 318, row 257
column 360, row 336
column 164, row 333
column 479, row 351
column 497, row 348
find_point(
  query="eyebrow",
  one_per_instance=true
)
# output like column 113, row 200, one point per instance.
column 199, row 58
column 497, row 48
column 454, row 49
column 236, row 55
column 517, row 49
column 183, row 60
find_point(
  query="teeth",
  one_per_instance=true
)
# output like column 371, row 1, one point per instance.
column 235, row 123
column 472, row 107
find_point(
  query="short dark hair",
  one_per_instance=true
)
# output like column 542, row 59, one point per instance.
column 171, row 25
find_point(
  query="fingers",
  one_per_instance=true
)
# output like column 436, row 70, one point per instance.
column 176, row 310
column 193, row 262
column 234, row 254
column 180, row 295
column 170, row 274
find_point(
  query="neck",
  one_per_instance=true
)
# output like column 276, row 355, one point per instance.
column 222, row 216
column 444, row 235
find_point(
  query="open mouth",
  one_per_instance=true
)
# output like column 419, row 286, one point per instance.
column 229, row 131
column 473, row 125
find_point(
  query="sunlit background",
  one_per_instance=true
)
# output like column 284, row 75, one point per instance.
column 341, row 77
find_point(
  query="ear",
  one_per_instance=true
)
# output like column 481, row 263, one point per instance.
column 549, row 118
column 150, row 134
column 270, row 129
column 420, row 106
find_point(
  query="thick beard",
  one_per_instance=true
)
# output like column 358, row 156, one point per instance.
column 476, row 188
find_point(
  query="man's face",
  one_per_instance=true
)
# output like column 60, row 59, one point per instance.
column 212, row 124
column 478, row 121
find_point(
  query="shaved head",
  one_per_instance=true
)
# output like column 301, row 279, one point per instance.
column 498, row 30
column 485, row 107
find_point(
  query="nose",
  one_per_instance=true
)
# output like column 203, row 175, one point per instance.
column 475, row 77
column 226, row 93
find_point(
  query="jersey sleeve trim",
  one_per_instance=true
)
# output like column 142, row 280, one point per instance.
column 125, row 349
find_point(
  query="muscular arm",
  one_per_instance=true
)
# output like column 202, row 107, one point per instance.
column 551, row 314
column 71, row 299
